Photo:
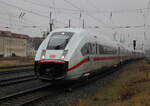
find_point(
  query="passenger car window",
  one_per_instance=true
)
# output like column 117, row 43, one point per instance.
column 85, row 49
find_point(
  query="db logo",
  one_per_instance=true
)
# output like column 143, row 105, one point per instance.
column 52, row 56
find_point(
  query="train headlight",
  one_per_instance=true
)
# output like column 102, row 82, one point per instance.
column 43, row 54
column 62, row 57
column 64, row 54
column 43, row 57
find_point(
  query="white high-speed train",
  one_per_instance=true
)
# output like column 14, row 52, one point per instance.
column 71, row 53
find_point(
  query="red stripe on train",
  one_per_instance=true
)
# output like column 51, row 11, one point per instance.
column 95, row 59
column 106, row 58
column 51, row 61
column 80, row 63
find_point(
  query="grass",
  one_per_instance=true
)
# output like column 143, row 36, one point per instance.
column 132, row 88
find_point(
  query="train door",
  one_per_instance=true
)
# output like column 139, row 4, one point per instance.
column 90, row 56
column 119, row 54
column 86, row 53
column 93, row 52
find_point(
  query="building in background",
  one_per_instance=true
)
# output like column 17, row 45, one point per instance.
column 13, row 44
column 33, row 45
column 36, row 41
column 30, row 49
column 147, row 53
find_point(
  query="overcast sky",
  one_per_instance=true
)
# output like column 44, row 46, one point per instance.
column 21, row 15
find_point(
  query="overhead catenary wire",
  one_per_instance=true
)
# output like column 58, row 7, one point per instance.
column 88, row 11
column 83, row 11
column 56, row 9
column 79, row 10
column 7, row 14
column 15, row 19
column 51, row 7
column 22, row 23
column 20, row 20
column 92, row 11
column 94, row 6
column 48, row 16
column 29, row 11
column 47, row 6
column 20, row 8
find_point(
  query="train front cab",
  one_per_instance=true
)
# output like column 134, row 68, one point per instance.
column 52, row 64
column 51, row 69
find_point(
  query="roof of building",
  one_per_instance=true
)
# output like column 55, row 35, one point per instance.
column 13, row 35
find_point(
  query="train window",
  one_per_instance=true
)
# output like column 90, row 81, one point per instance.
column 92, row 49
column 107, row 50
column 89, row 49
column 101, row 49
column 110, row 50
column 96, row 49
column 59, row 40
column 85, row 49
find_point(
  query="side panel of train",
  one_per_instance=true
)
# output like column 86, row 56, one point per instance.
column 92, row 53
column 82, row 52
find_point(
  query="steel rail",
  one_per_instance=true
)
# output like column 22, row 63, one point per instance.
column 24, row 91
column 16, row 70
column 16, row 58
column 16, row 66
column 37, row 98
column 17, row 80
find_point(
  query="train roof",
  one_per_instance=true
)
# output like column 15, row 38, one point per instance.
column 93, row 32
column 78, row 30
column 75, row 30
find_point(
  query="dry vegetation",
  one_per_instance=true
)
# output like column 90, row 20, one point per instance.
column 132, row 88
column 15, row 62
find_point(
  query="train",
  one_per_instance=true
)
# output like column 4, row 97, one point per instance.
column 71, row 53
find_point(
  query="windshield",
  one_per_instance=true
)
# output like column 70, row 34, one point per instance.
column 59, row 40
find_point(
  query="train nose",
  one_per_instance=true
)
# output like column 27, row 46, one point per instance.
column 48, row 72
column 52, row 70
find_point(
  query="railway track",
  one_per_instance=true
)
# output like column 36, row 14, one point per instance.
column 16, row 68
column 8, row 99
column 51, row 92
column 14, row 74
column 23, row 92
column 56, row 91
column 17, row 58
column 70, row 87
column 10, row 81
